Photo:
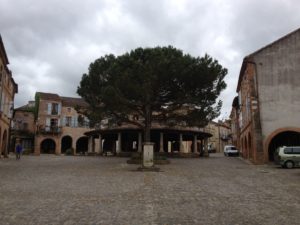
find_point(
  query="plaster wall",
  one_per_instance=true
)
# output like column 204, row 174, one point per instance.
column 278, row 74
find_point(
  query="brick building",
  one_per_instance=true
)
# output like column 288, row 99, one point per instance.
column 266, row 111
column 8, row 89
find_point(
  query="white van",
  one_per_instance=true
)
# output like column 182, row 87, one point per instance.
column 230, row 150
column 287, row 157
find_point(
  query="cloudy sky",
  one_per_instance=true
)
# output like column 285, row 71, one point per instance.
column 50, row 44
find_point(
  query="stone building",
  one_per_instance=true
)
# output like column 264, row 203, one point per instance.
column 52, row 124
column 267, row 109
column 128, row 138
column 221, row 135
column 8, row 89
column 23, row 126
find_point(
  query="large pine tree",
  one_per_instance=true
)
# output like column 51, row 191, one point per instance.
column 158, row 83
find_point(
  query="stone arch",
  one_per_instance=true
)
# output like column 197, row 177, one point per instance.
column 82, row 145
column 66, row 143
column 48, row 146
column 4, row 142
column 289, row 136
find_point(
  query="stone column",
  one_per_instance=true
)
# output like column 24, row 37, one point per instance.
column 100, row 144
column 140, row 142
column 90, row 144
column 195, row 144
column 180, row 143
column 119, row 143
column 206, row 154
column 161, row 142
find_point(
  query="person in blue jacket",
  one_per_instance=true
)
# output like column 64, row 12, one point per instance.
column 18, row 150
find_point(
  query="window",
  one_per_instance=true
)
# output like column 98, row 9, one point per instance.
column 53, row 123
column 68, row 121
column 288, row 151
column 296, row 150
column 69, row 109
column 54, row 110
column 25, row 126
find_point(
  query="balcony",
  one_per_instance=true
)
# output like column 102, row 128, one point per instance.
column 49, row 130
column 226, row 137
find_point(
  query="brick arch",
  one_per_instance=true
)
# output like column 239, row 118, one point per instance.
column 272, row 135
column 246, row 147
column 4, row 142
column 48, row 146
column 250, row 146
column 243, row 146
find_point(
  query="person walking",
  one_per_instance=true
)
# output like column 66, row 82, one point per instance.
column 18, row 151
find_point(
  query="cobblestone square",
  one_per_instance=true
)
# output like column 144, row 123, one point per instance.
column 51, row 189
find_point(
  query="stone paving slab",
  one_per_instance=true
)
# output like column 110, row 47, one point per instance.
column 51, row 189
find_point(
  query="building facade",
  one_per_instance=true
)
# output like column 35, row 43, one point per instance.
column 52, row 125
column 267, row 108
column 221, row 135
column 8, row 89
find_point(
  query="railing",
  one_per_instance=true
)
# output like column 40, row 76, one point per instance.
column 84, row 124
column 55, row 130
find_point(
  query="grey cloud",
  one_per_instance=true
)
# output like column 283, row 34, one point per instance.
column 50, row 44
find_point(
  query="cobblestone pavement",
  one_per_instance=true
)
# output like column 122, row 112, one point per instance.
column 67, row 190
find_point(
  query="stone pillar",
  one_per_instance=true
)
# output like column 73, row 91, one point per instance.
column 206, row 154
column 180, row 143
column 195, row 144
column 100, row 145
column 119, row 146
column 57, row 146
column 148, row 155
column 140, row 142
column 37, row 146
column 90, row 144
column 161, row 142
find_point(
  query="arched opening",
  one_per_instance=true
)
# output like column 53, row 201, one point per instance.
column 82, row 145
column 286, row 138
column 48, row 146
column 4, row 143
column 0, row 142
column 246, row 148
column 250, row 146
column 66, row 143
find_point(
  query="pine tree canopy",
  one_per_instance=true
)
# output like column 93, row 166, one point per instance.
column 156, row 84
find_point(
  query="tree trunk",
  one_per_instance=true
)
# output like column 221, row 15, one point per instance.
column 148, row 120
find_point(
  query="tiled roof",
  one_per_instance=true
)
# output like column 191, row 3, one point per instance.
column 23, row 108
column 73, row 102
column 66, row 101
column 49, row 96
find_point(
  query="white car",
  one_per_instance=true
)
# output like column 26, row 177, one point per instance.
column 287, row 157
column 230, row 150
